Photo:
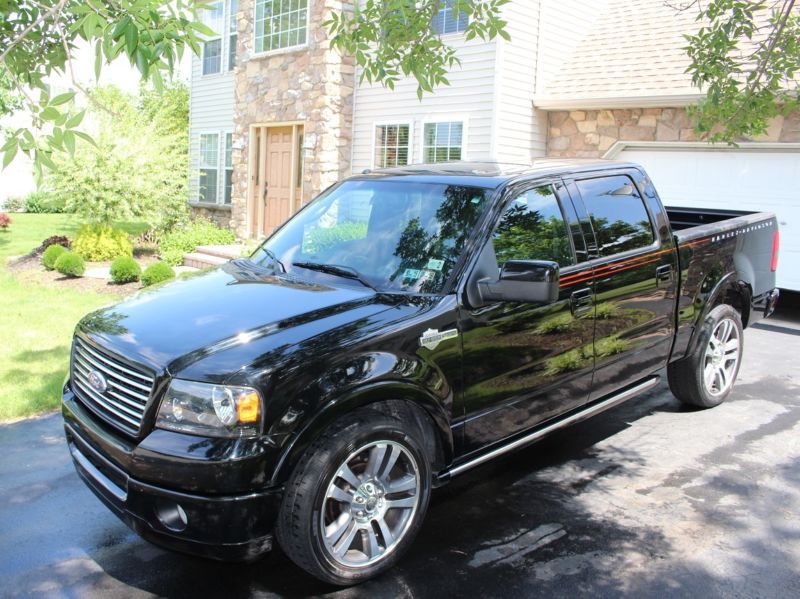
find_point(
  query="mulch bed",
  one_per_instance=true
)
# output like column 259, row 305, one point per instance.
column 29, row 269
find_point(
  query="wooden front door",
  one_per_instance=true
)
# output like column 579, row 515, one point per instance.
column 274, row 167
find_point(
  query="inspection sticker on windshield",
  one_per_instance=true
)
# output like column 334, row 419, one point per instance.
column 434, row 264
column 432, row 337
column 412, row 274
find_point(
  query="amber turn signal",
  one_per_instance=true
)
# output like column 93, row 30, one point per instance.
column 247, row 407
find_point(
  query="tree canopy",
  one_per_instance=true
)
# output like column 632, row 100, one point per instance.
column 746, row 56
column 40, row 37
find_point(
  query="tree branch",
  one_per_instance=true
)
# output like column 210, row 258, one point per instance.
column 43, row 17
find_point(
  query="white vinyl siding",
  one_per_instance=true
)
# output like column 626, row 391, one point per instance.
column 211, row 105
column 280, row 24
column 520, row 133
column 471, row 92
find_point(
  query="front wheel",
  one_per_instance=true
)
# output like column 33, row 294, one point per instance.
column 706, row 377
column 356, row 499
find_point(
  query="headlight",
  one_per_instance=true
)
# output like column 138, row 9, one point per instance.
column 210, row 410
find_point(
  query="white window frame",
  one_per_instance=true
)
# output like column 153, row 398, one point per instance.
column 445, row 119
column 224, row 168
column 287, row 49
column 398, row 123
column 219, row 36
column 221, row 169
column 457, row 32
column 232, row 29
column 201, row 167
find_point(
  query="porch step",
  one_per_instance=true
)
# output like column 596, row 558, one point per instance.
column 229, row 252
column 206, row 256
column 200, row 260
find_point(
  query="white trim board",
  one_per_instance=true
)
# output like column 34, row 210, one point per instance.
column 616, row 149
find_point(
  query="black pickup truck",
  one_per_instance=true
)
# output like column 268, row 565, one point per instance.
column 404, row 327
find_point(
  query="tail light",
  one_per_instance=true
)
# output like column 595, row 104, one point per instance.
column 776, row 242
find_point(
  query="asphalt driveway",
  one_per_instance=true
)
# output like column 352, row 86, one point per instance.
column 648, row 499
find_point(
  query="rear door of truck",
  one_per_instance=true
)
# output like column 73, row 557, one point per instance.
column 635, row 276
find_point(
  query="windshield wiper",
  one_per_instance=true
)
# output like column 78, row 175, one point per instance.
column 335, row 269
column 274, row 258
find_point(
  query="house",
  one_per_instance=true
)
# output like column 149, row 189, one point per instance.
column 276, row 116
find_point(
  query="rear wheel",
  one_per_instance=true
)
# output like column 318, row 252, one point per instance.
column 356, row 499
column 706, row 377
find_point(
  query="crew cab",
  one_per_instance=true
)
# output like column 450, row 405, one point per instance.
column 405, row 326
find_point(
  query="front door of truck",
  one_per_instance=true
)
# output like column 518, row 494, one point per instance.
column 524, row 363
column 634, row 276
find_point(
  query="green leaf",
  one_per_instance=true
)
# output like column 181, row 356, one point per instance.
column 85, row 137
column 75, row 120
column 9, row 156
column 50, row 114
column 98, row 59
column 69, row 142
column 131, row 39
column 62, row 98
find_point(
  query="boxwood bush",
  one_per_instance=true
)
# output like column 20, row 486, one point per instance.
column 156, row 273
column 51, row 254
column 70, row 264
column 125, row 270
column 101, row 242
column 185, row 238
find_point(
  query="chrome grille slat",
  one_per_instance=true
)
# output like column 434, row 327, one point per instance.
column 127, row 391
column 99, row 399
column 116, row 364
column 88, row 366
column 112, row 372
column 138, row 408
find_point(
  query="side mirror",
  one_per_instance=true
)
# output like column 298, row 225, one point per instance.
column 533, row 281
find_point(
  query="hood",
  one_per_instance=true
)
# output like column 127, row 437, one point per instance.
column 210, row 311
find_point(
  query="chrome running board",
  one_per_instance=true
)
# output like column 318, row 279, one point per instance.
column 542, row 432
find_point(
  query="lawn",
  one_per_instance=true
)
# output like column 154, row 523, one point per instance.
column 37, row 322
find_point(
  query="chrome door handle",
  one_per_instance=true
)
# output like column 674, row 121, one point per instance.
column 580, row 302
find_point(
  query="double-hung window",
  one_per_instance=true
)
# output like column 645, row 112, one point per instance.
column 212, row 47
column 392, row 144
column 209, row 167
column 448, row 20
column 228, row 168
column 232, row 36
column 443, row 141
column 281, row 24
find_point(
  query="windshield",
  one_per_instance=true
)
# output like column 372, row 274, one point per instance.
column 391, row 235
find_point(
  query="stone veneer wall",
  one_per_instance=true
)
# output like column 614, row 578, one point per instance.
column 221, row 216
column 590, row 133
column 313, row 84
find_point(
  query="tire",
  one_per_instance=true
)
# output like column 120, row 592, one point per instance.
column 706, row 377
column 356, row 499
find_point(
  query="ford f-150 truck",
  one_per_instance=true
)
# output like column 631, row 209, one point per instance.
column 405, row 326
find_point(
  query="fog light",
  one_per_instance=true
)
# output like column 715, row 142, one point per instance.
column 171, row 515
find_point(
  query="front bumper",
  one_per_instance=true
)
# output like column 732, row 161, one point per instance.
column 218, row 526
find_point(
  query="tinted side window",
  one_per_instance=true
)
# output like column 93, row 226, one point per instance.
column 618, row 214
column 532, row 228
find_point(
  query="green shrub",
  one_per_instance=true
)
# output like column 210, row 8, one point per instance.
column 322, row 238
column 70, row 264
column 125, row 270
column 156, row 273
column 15, row 204
column 185, row 238
column 43, row 202
column 101, row 242
column 51, row 254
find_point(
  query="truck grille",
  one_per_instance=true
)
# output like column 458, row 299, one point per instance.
column 112, row 389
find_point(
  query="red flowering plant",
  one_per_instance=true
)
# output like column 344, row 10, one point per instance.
column 5, row 220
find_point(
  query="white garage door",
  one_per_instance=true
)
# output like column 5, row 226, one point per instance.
column 735, row 179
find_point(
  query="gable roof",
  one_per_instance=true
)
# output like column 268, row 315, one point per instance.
column 633, row 56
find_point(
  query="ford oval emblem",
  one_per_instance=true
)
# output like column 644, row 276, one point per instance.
column 97, row 381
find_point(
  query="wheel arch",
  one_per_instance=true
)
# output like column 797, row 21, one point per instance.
column 392, row 398
column 730, row 290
